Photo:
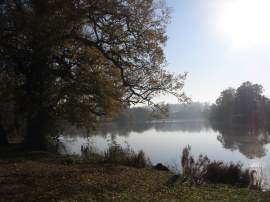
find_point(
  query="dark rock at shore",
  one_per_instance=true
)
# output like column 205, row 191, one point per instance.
column 160, row 166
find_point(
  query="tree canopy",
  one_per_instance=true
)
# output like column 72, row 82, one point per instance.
column 80, row 61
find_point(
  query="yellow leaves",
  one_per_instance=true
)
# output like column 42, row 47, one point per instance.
column 153, row 82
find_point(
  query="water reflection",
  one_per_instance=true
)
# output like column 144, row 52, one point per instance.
column 249, row 141
column 125, row 129
column 182, row 126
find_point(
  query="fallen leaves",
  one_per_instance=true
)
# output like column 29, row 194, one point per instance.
column 45, row 178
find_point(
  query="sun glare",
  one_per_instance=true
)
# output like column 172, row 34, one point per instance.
column 246, row 22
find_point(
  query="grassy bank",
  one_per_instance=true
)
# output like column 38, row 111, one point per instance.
column 41, row 176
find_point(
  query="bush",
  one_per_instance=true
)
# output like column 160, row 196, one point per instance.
column 232, row 174
column 205, row 170
column 140, row 160
column 116, row 154
column 193, row 171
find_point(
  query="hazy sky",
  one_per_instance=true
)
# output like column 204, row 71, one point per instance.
column 220, row 43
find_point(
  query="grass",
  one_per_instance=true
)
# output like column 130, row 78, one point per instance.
column 39, row 176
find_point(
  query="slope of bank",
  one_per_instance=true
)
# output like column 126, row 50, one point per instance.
column 39, row 176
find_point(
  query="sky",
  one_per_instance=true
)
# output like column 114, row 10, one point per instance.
column 220, row 43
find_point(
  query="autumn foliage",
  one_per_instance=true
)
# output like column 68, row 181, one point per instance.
column 80, row 62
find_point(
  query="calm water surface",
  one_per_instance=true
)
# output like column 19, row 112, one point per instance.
column 163, row 142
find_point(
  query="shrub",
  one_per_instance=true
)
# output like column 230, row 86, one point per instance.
column 193, row 171
column 233, row 174
column 90, row 153
column 205, row 170
column 116, row 154
column 140, row 160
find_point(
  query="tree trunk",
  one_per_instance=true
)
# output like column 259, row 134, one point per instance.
column 37, row 137
column 38, row 116
column 3, row 135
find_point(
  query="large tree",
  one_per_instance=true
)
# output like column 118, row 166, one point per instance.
column 225, row 105
column 248, row 100
column 82, row 61
column 246, row 105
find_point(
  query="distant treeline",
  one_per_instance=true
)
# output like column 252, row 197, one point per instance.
column 245, row 105
column 193, row 110
column 139, row 114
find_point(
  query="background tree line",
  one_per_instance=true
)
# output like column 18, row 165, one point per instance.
column 245, row 105
column 183, row 111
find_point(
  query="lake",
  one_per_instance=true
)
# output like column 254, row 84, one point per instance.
column 163, row 141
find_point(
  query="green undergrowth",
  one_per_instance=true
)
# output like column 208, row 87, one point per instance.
column 39, row 176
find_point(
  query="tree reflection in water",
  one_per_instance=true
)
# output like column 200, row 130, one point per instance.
column 250, row 141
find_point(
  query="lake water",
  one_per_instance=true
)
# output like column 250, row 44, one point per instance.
column 163, row 142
